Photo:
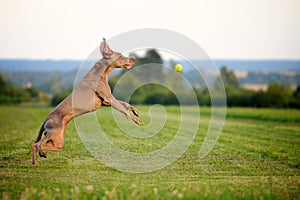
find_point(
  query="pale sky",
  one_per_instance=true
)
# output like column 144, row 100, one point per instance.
column 231, row 29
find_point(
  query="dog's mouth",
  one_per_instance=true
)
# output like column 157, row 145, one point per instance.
column 128, row 65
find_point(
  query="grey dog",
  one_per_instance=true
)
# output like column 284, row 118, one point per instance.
column 91, row 92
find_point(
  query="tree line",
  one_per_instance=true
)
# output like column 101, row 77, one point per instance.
column 276, row 95
column 12, row 95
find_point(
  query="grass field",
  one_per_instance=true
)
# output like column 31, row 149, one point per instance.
column 257, row 157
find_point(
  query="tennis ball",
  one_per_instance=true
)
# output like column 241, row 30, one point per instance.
column 178, row 67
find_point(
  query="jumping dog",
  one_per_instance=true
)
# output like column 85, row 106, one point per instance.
column 91, row 92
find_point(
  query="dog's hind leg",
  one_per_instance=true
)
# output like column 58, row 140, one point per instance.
column 45, row 144
column 34, row 154
column 53, row 141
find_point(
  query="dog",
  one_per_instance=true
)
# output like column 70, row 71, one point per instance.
column 91, row 92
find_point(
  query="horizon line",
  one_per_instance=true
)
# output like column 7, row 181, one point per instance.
column 78, row 59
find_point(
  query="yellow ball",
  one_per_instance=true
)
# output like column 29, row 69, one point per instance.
column 178, row 67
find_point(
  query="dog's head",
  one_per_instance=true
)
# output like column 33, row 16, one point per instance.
column 117, row 59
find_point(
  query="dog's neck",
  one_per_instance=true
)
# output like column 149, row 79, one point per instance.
column 105, row 67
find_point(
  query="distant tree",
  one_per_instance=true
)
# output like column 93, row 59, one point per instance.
column 155, row 72
column 12, row 95
column 234, row 94
column 229, row 78
column 33, row 92
column 239, row 97
column 276, row 96
column 203, row 96
column 295, row 101
column 161, row 97
column 59, row 97
column 257, row 99
column 24, row 95
column 152, row 56
column 143, row 92
column 2, row 86
column 150, row 71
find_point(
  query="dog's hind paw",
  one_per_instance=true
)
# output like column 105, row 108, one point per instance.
column 42, row 154
column 34, row 162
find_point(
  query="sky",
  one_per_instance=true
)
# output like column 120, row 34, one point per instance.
column 225, row 29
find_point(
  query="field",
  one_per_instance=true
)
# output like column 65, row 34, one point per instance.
column 257, row 157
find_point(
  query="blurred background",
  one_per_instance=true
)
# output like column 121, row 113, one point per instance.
column 255, row 44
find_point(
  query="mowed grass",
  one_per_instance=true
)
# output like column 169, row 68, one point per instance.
column 257, row 157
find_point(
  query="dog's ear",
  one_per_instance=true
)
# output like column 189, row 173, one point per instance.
column 105, row 50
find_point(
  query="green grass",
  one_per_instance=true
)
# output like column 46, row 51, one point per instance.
column 257, row 157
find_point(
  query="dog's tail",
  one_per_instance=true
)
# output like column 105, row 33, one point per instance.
column 42, row 129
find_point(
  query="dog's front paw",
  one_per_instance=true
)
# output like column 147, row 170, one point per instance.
column 138, row 121
column 135, row 111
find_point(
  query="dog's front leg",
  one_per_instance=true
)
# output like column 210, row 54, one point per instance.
column 118, row 106
column 130, row 107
